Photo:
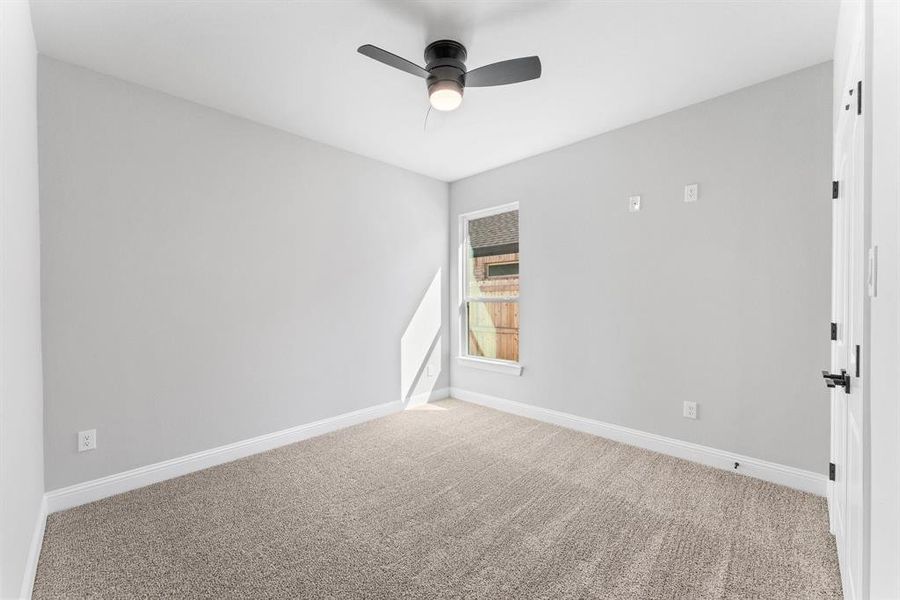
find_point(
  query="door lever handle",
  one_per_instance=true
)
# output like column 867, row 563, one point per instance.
column 842, row 380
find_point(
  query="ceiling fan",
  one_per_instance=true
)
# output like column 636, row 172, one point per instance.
column 446, row 75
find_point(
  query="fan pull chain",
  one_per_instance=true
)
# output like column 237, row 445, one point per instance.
column 425, row 124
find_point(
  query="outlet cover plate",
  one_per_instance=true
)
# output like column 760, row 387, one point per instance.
column 691, row 192
column 87, row 440
column 690, row 410
column 634, row 203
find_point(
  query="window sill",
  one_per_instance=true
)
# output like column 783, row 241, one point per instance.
column 485, row 364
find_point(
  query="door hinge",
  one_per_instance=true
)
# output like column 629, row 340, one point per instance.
column 835, row 188
column 859, row 97
column 833, row 331
column 831, row 471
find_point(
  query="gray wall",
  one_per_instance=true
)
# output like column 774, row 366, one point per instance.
column 21, row 407
column 724, row 302
column 207, row 279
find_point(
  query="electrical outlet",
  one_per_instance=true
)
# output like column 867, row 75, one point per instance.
column 429, row 370
column 690, row 410
column 691, row 192
column 87, row 440
column 634, row 203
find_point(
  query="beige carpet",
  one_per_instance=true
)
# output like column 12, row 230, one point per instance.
column 448, row 501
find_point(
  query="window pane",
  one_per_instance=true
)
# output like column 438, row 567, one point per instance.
column 494, row 329
column 503, row 270
column 492, row 267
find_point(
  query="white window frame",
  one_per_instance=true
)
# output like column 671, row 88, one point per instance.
column 496, row 365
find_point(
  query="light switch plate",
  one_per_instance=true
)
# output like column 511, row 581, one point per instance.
column 634, row 203
column 691, row 192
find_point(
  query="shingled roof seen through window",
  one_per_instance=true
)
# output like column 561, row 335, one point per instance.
column 500, row 230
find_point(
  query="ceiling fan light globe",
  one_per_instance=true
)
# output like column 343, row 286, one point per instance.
column 445, row 95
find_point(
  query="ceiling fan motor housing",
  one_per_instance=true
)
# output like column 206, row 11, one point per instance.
column 446, row 61
column 446, row 75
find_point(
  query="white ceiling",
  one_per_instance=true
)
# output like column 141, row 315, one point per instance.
column 294, row 66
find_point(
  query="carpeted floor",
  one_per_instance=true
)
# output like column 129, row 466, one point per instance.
column 447, row 501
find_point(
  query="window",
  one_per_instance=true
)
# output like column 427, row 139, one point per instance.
column 490, row 284
column 502, row 270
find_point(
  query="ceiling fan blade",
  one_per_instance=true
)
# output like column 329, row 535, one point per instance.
column 392, row 60
column 504, row 72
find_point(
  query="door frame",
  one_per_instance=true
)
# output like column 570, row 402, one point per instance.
column 884, row 372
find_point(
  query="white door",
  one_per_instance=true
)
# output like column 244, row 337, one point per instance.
column 848, row 419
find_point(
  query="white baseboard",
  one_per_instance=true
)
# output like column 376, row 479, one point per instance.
column 799, row 479
column 34, row 551
column 426, row 397
column 96, row 489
